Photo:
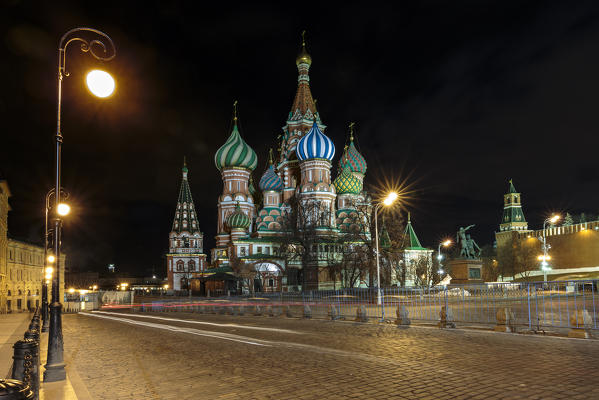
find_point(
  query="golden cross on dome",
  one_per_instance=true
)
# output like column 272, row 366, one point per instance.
column 351, row 131
column 235, row 110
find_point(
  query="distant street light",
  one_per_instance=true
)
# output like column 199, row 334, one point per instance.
column 47, row 259
column 544, row 264
column 388, row 201
column 55, row 367
column 445, row 243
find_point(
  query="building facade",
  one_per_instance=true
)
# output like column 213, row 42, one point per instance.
column 573, row 248
column 21, row 266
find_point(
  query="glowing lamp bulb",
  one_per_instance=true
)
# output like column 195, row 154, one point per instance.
column 49, row 270
column 51, row 259
column 390, row 199
column 100, row 83
column 63, row 209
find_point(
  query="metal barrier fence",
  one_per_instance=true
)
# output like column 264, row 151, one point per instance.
column 534, row 305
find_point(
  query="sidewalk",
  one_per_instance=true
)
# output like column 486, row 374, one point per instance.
column 12, row 328
column 62, row 390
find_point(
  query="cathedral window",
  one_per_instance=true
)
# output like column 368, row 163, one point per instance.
column 180, row 265
column 191, row 265
column 259, row 250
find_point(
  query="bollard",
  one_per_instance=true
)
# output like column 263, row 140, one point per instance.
column 307, row 312
column 12, row 389
column 402, row 316
column 361, row 315
column 32, row 334
column 26, row 363
column 34, row 325
column 581, row 323
column 333, row 312
column 446, row 318
column 288, row 312
column 276, row 312
column 506, row 321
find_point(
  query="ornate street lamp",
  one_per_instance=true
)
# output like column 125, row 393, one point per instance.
column 544, row 264
column 101, row 86
column 445, row 243
column 47, row 259
column 388, row 201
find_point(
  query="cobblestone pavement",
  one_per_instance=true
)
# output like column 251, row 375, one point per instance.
column 226, row 357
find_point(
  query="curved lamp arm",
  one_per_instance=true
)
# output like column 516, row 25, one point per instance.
column 93, row 46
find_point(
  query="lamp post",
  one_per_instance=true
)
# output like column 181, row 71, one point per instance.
column 445, row 243
column 389, row 200
column 46, row 258
column 544, row 263
column 101, row 85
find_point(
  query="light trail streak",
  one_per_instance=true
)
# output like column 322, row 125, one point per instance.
column 193, row 331
column 258, row 328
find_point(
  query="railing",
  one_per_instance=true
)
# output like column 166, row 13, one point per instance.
column 534, row 306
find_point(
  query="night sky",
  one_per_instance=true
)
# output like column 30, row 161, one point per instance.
column 452, row 98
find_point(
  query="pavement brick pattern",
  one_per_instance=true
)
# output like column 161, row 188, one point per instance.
column 325, row 360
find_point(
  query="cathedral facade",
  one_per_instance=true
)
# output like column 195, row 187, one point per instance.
column 302, row 205
column 298, row 181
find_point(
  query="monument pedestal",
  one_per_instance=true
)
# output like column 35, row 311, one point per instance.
column 466, row 270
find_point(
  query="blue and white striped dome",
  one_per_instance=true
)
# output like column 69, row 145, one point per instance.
column 315, row 144
column 270, row 180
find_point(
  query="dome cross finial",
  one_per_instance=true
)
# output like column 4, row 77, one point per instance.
column 235, row 111
column 304, row 38
column 184, row 162
column 270, row 161
column 351, row 131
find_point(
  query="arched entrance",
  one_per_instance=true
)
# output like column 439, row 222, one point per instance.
column 268, row 277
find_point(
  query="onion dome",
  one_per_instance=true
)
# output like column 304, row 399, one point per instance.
column 238, row 219
column 315, row 144
column 352, row 158
column 270, row 180
column 235, row 152
column 303, row 57
column 346, row 182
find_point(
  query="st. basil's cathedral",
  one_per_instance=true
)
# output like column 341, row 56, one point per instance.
column 300, row 176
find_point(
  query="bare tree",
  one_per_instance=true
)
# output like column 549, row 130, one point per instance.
column 245, row 271
column 517, row 257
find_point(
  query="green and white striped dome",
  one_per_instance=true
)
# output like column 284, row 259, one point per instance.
column 235, row 153
column 238, row 219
